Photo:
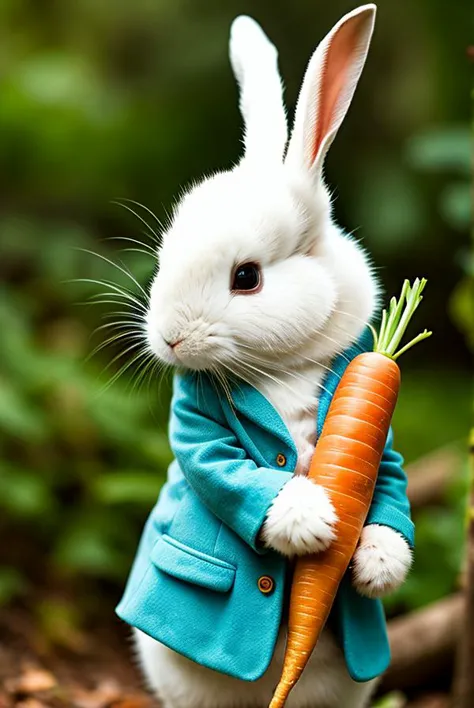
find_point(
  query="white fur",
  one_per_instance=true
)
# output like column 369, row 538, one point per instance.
column 254, row 61
column 179, row 683
column 301, row 519
column 381, row 561
column 318, row 294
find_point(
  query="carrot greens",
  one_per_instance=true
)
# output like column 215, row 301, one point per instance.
column 396, row 319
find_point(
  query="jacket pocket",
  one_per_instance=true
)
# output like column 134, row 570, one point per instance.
column 185, row 563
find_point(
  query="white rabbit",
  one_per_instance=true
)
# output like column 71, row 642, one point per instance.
column 266, row 226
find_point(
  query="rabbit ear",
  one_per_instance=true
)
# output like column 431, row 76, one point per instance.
column 329, row 84
column 254, row 62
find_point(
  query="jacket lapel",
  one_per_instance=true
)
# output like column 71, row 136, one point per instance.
column 254, row 406
column 248, row 404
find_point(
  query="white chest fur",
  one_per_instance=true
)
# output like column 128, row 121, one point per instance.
column 295, row 397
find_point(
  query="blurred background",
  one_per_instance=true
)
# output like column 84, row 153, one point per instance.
column 113, row 100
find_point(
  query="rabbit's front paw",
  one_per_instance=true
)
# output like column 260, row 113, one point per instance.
column 381, row 562
column 300, row 520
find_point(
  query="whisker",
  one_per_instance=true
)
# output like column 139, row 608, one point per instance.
column 227, row 389
column 93, row 300
column 118, row 291
column 152, row 214
column 272, row 378
column 135, row 317
column 222, row 381
column 155, row 368
column 138, row 377
column 292, row 374
column 323, row 366
column 133, row 337
column 350, row 314
column 199, row 384
column 148, row 250
column 118, row 324
column 155, row 236
column 124, row 368
column 112, row 340
column 121, row 268
column 334, row 341
column 132, row 310
column 138, row 250
column 163, row 370
column 121, row 354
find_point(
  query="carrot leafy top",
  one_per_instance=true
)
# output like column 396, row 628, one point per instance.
column 395, row 321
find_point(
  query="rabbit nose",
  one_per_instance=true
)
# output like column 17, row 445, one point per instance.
column 174, row 344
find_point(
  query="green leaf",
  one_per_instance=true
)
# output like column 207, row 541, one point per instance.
column 421, row 409
column 441, row 149
column 462, row 308
column 392, row 700
column 155, row 447
column 95, row 542
column 438, row 557
column 387, row 201
column 18, row 416
column 455, row 205
column 127, row 487
column 12, row 584
column 63, row 81
column 24, row 493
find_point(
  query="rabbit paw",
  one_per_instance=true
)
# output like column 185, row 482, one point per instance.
column 300, row 520
column 381, row 562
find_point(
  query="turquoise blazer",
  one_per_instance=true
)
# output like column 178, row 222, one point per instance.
column 194, row 585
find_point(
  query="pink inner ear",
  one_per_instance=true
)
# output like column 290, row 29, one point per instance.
column 339, row 58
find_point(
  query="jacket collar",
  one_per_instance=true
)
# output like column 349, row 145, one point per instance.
column 252, row 404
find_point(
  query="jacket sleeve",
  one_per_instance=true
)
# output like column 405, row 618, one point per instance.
column 215, row 465
column 390, row 505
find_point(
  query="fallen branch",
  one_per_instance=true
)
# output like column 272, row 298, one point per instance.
column 424, row 642
column 429, row 477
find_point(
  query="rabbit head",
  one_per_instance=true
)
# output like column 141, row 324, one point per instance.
column 253, row 266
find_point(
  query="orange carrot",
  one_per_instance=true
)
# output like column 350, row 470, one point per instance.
column 346, row 462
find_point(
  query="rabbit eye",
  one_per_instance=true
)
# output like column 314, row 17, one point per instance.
column 247, row 278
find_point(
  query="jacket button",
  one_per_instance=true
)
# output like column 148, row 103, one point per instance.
column 266, row 584
column 281, row 460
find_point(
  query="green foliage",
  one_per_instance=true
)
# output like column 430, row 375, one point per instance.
column 12, row 584
column 432, row 410
column 447, row 149
column 440, row 530
column 392, row 700
column 85, row 459
column 442, row 149
column 439, row 551
column 462, row 304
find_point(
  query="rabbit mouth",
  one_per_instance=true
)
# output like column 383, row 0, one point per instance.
column 193, row 351
column 193, row 345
